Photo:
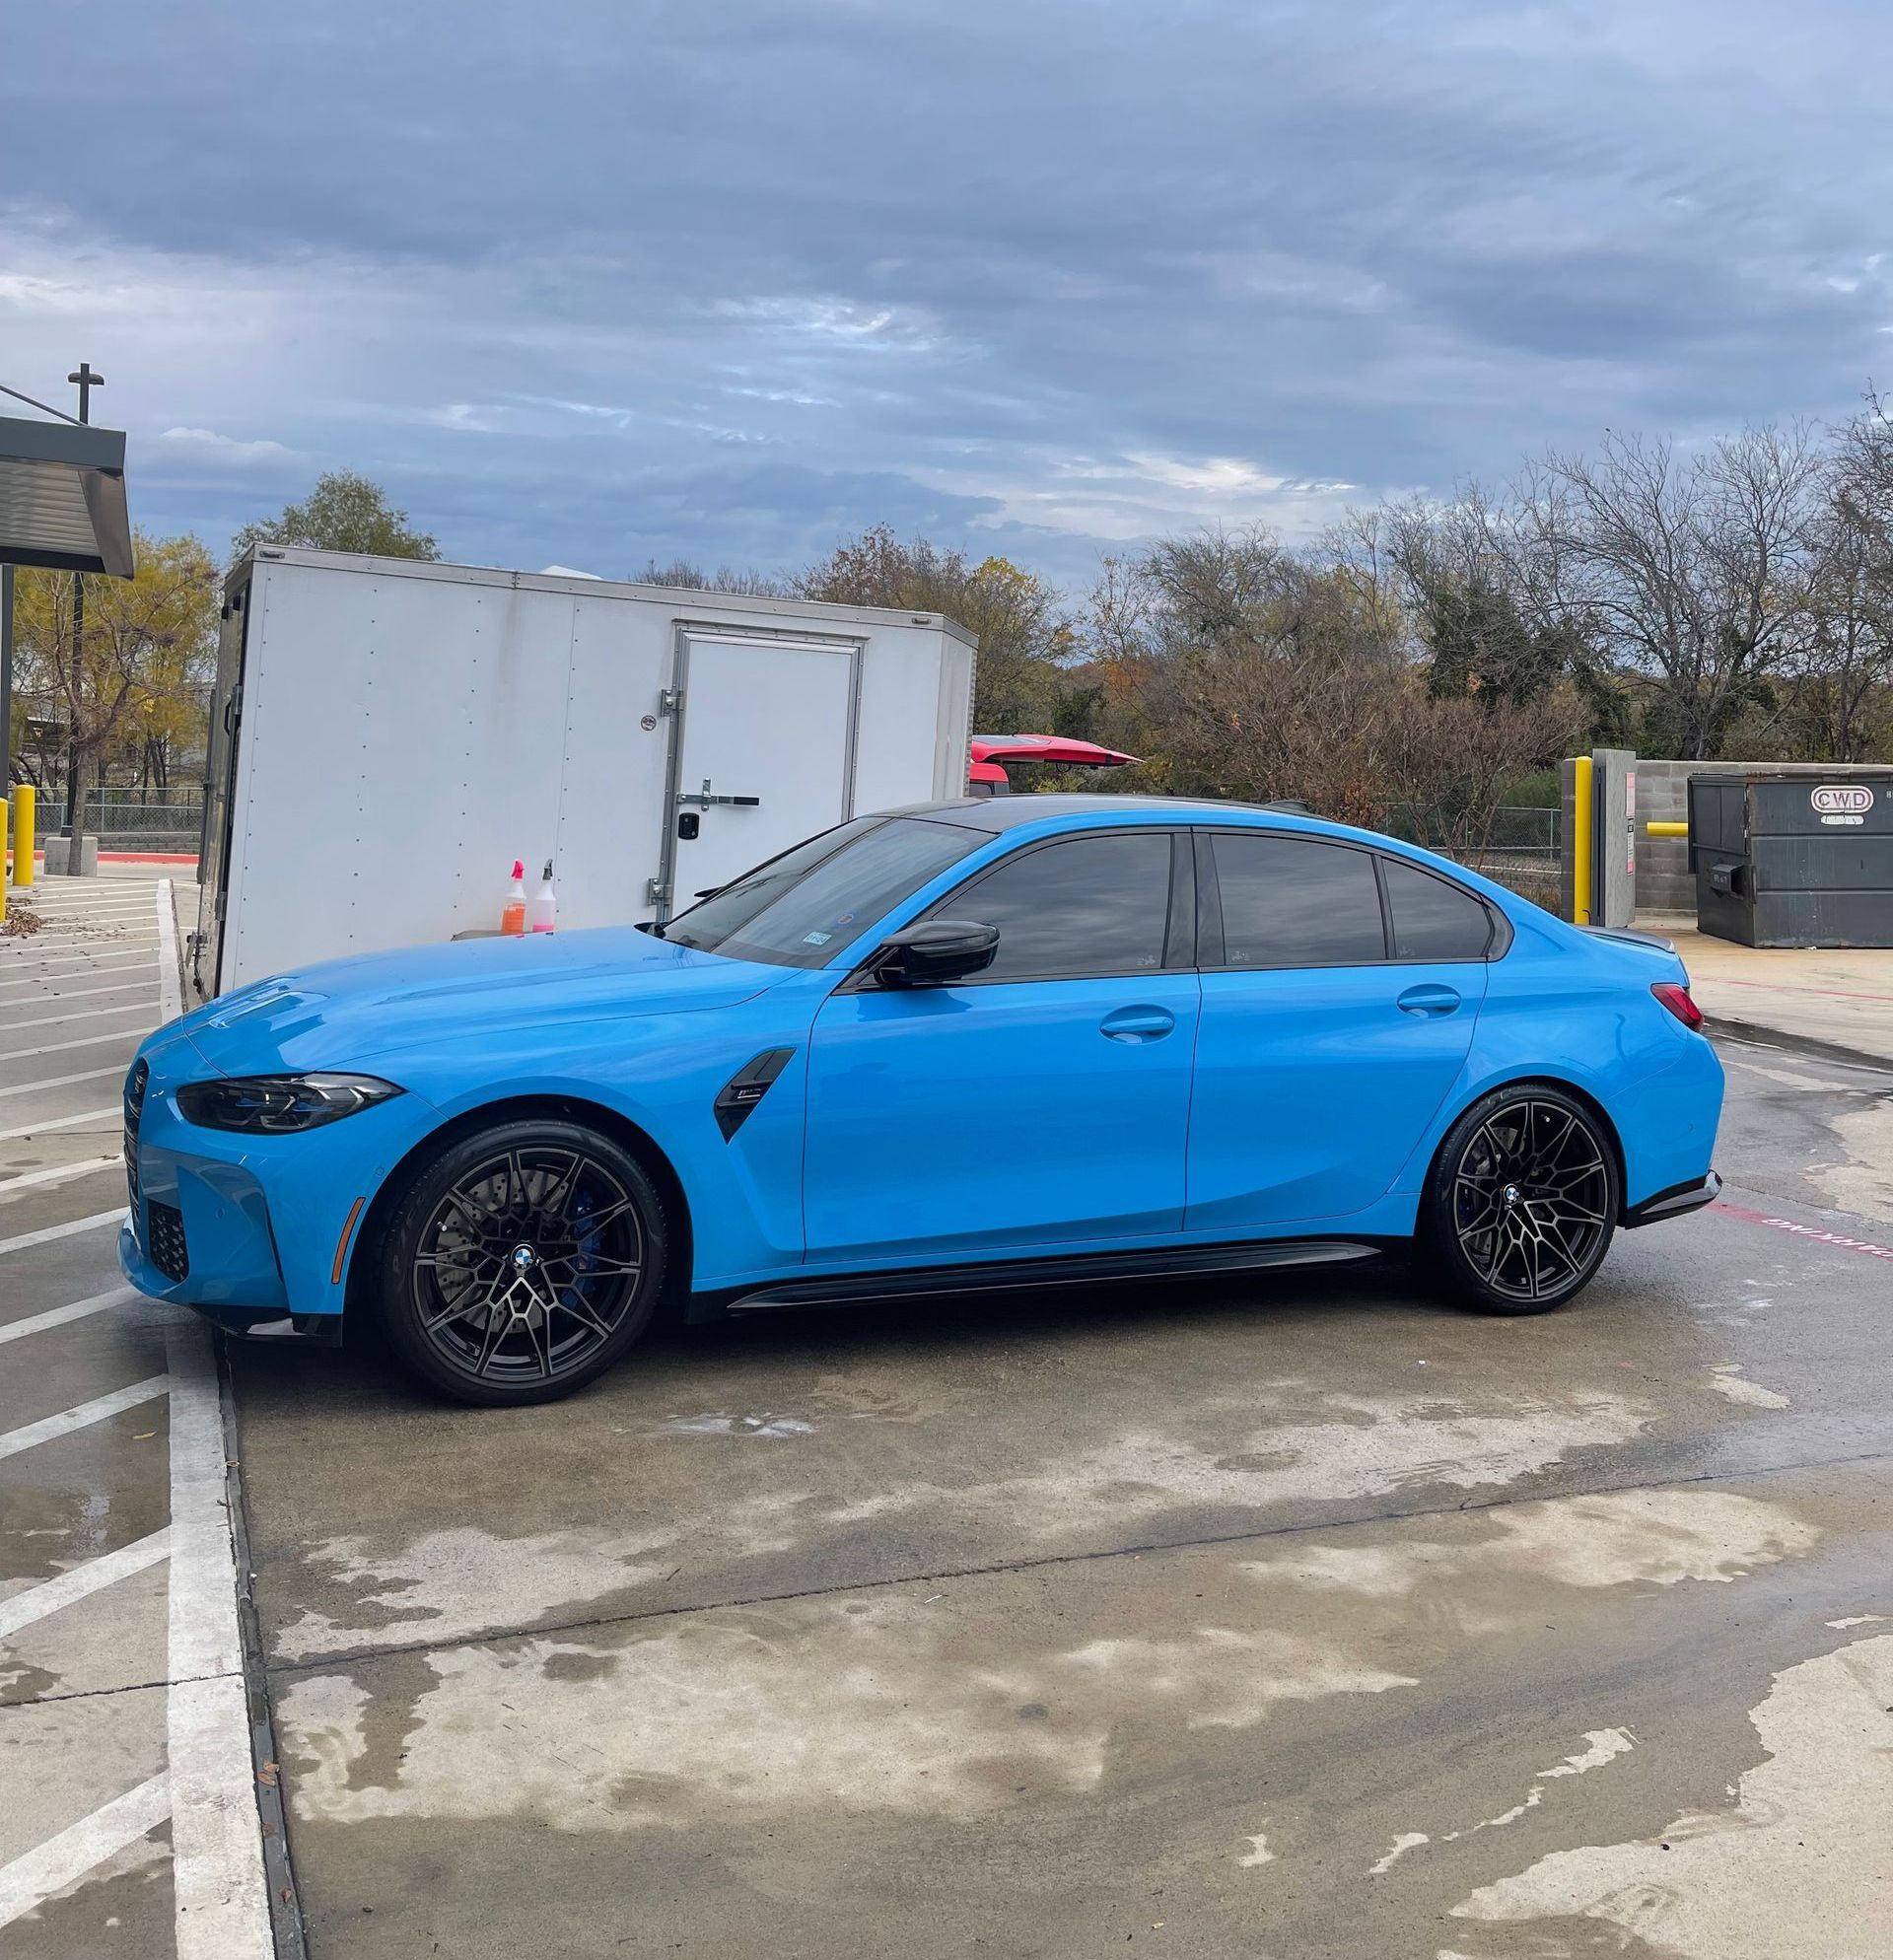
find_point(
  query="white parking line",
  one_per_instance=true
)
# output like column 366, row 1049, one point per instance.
column 47, row 1233
column 216, row 1834
column 78, row 1013
column 78, row 1122
column 36, row 994
column 60, row 1047
column 65, row 1082
column 69, row 945
column 87, row 929
column 84, row 949
column 118, row 902
column 59, row 1174
column 59, row 1316
column 62, row 966
column 46, row 1871
column 51, row 916
column 84, row 1416
column 170, row 995
column 26, row 959
column 39, row 1602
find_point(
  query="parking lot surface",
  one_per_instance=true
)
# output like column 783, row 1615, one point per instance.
column 128, row 1820
column 1288, row 1616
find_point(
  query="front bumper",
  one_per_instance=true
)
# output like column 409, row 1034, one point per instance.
column 252, row 1323
column 255, row 1232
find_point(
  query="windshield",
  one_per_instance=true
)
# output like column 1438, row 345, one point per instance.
column 811, row 903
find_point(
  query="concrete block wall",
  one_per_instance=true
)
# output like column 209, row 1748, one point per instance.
column 1663, row 880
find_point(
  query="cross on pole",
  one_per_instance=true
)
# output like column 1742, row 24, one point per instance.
column 85, row 380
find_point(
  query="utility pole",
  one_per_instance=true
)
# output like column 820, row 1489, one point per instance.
column 85, row 380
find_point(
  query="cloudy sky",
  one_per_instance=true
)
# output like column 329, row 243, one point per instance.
column 596, row 281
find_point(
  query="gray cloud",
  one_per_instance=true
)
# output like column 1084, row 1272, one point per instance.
column 591, row 282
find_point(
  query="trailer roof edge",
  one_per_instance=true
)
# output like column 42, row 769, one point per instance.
column 579, row 586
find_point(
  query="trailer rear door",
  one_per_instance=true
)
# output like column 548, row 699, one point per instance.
column 762, row 752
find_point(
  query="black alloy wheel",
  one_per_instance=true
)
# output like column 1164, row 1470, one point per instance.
column 1522, row 1201
column 523, row 1262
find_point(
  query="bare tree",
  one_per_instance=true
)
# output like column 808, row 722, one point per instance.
column 687, row 575
column 1691, row 568
column 1840, row 671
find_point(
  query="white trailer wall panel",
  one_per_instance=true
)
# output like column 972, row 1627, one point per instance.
column 403, row 732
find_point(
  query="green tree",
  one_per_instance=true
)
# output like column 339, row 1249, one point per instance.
column 137, row 678
column 344, row 511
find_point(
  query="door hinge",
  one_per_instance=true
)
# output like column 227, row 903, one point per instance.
column 671, row 701
column 656, row 891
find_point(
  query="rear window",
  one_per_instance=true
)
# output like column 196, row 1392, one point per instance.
column 1432, row 919
column 1296, row 901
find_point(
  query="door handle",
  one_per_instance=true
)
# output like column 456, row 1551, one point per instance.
column 1429, row 1000
column 1137, row 1024
column 703, row 798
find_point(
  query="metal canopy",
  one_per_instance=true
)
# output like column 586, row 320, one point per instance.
column 62, row 497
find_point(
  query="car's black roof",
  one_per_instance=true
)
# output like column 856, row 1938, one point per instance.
column 997, row 813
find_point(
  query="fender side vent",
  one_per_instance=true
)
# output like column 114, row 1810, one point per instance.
column 747, row 1088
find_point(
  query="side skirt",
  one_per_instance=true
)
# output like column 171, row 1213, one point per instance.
column 1173, row 1262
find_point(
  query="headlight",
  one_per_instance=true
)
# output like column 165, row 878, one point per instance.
column 272, row 1104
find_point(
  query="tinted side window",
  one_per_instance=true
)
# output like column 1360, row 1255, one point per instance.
column 1295, row 901
column 1431, row 919
column 1091, row 905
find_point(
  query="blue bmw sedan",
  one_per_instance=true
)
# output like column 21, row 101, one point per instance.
column 975, row 1044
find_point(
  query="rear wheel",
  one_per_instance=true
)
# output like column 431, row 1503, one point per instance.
column 523, row 1262
column 1522, row 1201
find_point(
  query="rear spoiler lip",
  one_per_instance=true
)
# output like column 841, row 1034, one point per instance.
column 1629, row 937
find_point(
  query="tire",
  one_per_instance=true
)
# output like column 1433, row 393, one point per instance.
column 522, row 1262
column 1522, row 1201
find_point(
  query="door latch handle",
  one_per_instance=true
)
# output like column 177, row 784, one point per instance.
column 1136, row 1024
column 703, row 798
column 1429, row 1000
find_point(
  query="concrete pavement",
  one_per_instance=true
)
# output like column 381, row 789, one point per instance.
column 1296, row 1619
column 1837, row 998
column 127, row 1818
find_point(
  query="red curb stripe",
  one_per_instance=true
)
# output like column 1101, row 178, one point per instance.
column 1864, row 1246
column 1787, row 986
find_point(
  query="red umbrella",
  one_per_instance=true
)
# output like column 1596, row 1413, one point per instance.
column 1048, row 748
column 989, row 751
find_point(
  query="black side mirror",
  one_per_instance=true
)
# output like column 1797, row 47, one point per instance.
column 937, row 951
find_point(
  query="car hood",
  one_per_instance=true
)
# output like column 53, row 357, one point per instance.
column 343, row 1013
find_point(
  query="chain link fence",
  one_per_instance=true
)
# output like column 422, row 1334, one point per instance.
column 165, row 820
column 1519, row 849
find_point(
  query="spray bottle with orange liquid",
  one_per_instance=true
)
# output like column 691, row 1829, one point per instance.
column 513, row 915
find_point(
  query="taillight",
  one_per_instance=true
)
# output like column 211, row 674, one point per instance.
column 1676, row 1000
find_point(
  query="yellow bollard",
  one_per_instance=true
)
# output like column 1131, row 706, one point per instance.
column 1584, row 814
column 6, row 851
column 25, row 801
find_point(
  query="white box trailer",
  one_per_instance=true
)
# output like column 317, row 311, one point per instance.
column 387, row 737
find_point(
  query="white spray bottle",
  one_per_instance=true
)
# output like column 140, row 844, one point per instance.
column 541, row 915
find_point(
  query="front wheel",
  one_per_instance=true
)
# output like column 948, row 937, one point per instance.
column 1522, row 1203
column 522, row 1263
